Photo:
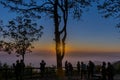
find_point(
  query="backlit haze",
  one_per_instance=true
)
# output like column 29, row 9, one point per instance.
column 90, row 38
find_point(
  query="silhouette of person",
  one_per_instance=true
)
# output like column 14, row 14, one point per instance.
column 22, row 66
column 14, row 66
column 42, row 68
column 70, row 69
column 66, row 68
column 110, row 73
column 103, row 71
column 78, row 67
column 17, row 70
column 83, row 70
column 91, row 67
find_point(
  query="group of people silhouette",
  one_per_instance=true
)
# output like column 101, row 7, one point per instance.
column 84, row 71
column 107, row 72
column 68, row 68
column 87, row 71
column 19, row 67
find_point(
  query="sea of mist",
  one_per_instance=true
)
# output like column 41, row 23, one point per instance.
column 34, row 59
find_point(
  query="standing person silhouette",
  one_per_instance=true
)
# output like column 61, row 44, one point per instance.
column 17, row 70
column 66, row 68
column 91, row 67
column 22, row 66
column 83, row 70
column 110, row 73
column 103, row 71
column 42, row 68
column 70, row 69
column 14, row 67
column 78, row 67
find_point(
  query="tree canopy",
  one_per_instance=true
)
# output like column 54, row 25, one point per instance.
column 110, row 8
column 21, row 32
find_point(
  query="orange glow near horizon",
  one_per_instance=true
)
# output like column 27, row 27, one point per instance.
column 94, row 48
column 50, row 47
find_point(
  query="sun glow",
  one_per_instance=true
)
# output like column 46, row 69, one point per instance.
column 50, row 48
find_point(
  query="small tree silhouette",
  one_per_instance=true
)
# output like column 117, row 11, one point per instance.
column 22, row 32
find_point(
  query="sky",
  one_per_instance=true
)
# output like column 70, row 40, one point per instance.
column 92, row 34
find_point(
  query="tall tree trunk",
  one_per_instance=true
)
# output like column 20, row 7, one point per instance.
column 57, row 40
column 60, row 36
column 57, row 34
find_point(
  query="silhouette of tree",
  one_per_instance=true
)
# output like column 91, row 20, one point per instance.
column 22, row 32
column 110, row 8
column 1, row 34
column 58, row 10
